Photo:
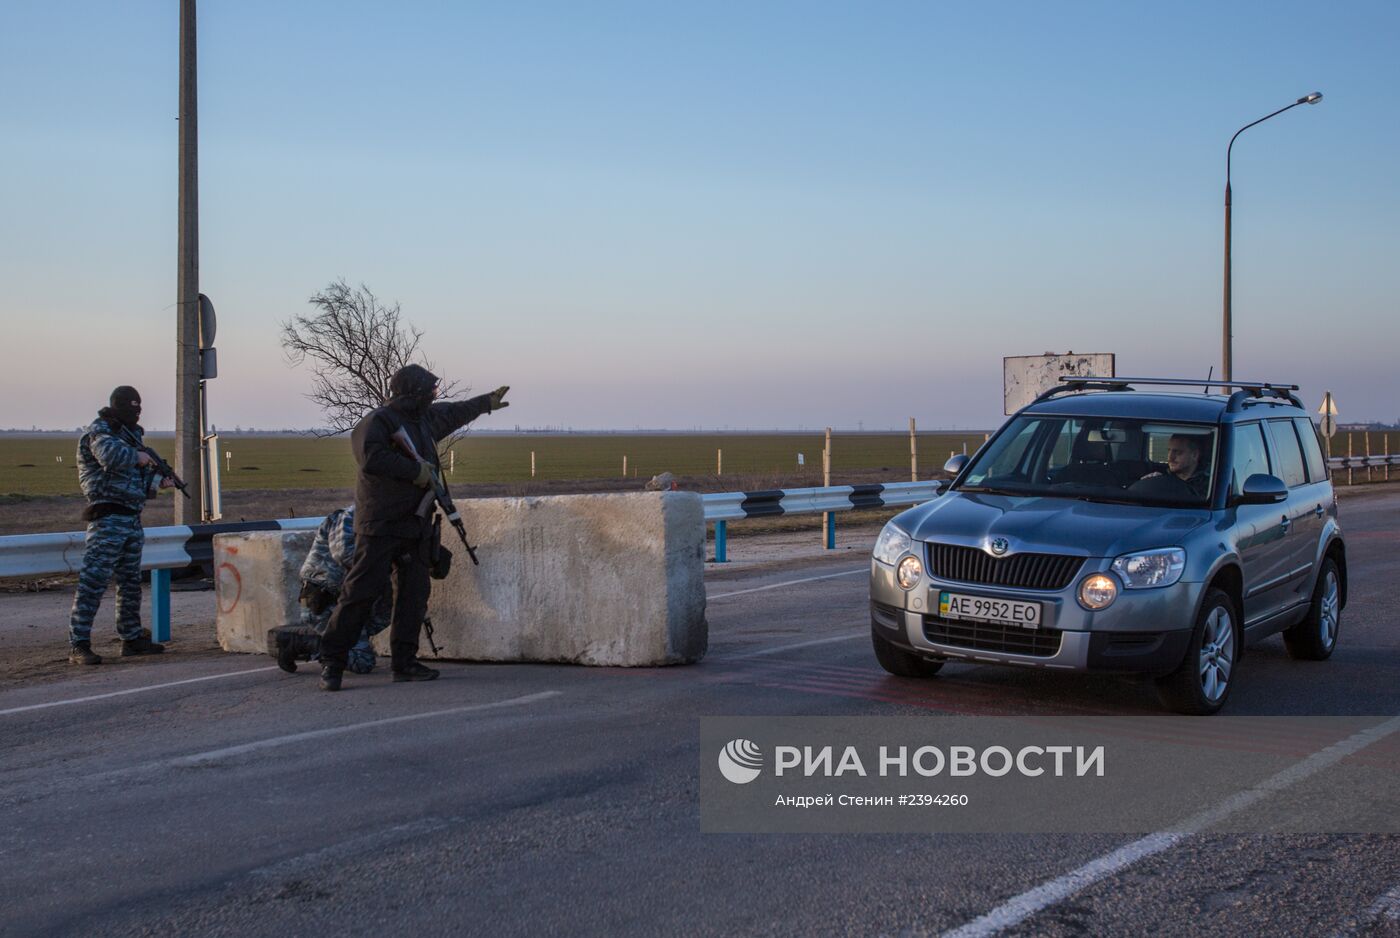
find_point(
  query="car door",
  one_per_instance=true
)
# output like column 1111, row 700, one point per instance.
column 1260, row 534
column 1304, row 522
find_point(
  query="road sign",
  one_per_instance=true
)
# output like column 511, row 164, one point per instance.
column 208, row 324
column 1025, row 376
column 1328, row 410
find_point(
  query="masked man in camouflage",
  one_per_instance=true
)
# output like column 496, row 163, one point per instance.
column 117, row 479
column 322, row 574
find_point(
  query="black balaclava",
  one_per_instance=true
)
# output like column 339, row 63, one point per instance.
column 126, row 405
column 411, row 390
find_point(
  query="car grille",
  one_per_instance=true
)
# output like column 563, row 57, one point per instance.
column 1023, row 571
column 986, row 636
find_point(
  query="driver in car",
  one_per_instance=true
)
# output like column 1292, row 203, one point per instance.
column 1184, row 462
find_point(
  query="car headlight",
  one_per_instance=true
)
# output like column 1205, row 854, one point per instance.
column 909, row 571
column 891, row 543
column 1147, row 569
column 1098, row 591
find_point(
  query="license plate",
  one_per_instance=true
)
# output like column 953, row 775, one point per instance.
column 982, row 609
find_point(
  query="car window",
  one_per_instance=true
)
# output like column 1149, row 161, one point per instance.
column 1010, row 453
column 1098, row 458
column 1064, row 446
column 1290, row 456
column 1251, row 458
column 1312, row 448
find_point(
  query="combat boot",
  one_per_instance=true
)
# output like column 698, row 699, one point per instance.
column 330, row 676
column 414, row 671
column 292, row 643
column 82, row 653
column 141, row 645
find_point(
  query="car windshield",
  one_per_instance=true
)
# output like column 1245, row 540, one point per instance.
column 1098, row 459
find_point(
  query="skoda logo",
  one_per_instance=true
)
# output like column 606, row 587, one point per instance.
column 1000, row 545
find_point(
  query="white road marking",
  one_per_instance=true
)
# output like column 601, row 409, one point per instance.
column 1019, row 908
column 211, row 755
column 774, row 651
column 134, row 690
column 355, row 846
column 1386, row 908
column 773, row 586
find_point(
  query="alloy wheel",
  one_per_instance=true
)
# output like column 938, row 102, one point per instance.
column 1328, row 614
column 1217, row 653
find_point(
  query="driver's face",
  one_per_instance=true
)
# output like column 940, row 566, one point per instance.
column 1182, row 457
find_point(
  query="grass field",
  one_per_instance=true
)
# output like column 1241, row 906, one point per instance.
column 31, row 466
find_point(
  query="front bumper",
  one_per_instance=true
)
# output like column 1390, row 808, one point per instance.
column 1144, row 631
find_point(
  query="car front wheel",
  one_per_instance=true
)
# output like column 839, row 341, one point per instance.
column 1202, row 683
column 902, row 663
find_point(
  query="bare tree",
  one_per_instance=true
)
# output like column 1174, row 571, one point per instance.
column 354, row 344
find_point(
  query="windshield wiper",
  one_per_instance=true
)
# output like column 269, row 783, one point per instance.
column 988, row 490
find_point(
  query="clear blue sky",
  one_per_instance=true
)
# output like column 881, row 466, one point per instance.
column 744, row 214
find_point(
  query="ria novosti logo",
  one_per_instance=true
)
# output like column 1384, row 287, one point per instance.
column 740, row 761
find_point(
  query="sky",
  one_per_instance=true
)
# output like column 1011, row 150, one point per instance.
column 743, row 215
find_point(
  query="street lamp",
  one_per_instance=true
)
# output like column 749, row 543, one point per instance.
column 1227, row 350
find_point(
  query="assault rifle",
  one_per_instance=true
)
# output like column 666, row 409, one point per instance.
column 161, row 465
column 436, row 492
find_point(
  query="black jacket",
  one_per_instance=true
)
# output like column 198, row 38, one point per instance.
column 386, row 500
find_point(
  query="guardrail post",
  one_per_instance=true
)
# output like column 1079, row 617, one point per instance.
column 721, row 542
column 160, row 605
column 831, row 530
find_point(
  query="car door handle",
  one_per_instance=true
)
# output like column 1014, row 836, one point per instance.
column 1319, row 511
column 1286, row 523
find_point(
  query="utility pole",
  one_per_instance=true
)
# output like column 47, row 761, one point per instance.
column 187, row 368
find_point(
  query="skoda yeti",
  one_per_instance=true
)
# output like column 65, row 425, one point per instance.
column 1108, row 529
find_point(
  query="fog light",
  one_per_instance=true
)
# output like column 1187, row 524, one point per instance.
column 909, row 572
column 1098, row 591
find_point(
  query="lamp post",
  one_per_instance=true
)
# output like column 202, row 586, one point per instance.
column 1227, row 344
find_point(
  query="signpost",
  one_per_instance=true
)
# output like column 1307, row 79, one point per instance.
column 1328, row 410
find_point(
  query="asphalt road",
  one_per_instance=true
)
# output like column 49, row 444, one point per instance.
column 532, row 799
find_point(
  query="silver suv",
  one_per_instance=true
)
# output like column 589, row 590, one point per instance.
column 1108, row 529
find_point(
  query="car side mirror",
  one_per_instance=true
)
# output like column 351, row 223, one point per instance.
column 1263, row 489
column 955, row 464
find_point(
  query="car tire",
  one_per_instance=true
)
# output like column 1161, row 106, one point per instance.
column 902, row 663
column 1315, row 637
column 1201, row 685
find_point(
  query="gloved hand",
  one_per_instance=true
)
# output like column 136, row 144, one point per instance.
column 498, row 397
column 424, row 479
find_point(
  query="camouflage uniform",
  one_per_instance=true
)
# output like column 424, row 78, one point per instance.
column 116, row 489
column 325, row 566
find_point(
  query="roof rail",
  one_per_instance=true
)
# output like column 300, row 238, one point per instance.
column 1249, row 389
column 1074, row 385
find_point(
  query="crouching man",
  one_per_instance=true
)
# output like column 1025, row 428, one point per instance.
column 322, row 574
column 117, row 478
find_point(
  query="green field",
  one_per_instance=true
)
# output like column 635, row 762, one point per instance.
column 29, row 464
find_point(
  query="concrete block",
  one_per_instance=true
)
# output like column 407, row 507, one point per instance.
column 584, row 579
column 256, row 584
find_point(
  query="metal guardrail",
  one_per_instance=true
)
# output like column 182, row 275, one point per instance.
column 1362, row 462
column 166, row 549
column 723, row 507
